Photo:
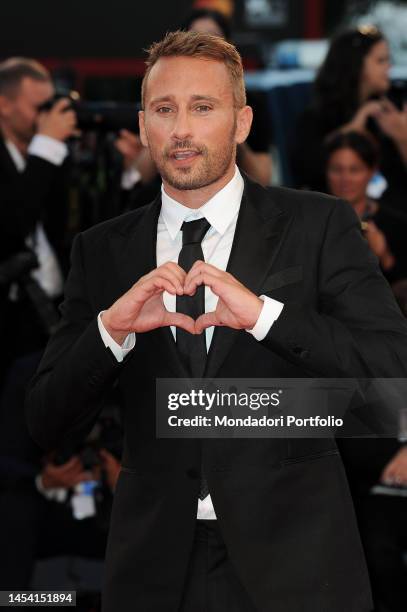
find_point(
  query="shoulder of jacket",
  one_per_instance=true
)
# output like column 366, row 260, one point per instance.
column 121, row 224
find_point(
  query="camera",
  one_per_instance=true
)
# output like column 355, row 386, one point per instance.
column 17, row 267
column 97, row 116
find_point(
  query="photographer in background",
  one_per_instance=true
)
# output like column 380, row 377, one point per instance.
column 33, row 254
column 33, row 181
column 59, row 507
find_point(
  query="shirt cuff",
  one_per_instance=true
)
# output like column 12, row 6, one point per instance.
column 57, row 494
column 269, row 313
column 118, row 351
column 130, row 177
column 50, row 149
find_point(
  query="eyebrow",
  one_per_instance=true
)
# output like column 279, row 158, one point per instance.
column 194, row 98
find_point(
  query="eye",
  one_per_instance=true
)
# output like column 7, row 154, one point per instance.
column 164, row 110
column 203, row 108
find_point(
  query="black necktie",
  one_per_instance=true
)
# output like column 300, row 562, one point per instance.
column 192, row 348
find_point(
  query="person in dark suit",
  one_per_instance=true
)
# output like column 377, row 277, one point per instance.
column 33, row 181
column 291, row 290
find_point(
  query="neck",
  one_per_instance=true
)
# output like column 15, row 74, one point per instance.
column 360, row 206
column 21, row 145
column 195, row 198
column 364, row 93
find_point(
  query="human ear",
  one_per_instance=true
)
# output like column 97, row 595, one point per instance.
column 143, row 135
column 243, row 123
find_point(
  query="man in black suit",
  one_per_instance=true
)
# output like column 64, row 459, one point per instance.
column 239, row 525
column 33, row 179
column 32, row 193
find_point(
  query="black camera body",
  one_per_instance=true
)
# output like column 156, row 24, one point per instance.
column 98, row 116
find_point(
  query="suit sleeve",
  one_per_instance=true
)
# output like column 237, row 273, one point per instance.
column 357, row 329
column 77, row 371
column 23, row 199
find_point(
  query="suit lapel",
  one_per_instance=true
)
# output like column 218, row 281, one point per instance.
column 260, row 231
column 6, row 161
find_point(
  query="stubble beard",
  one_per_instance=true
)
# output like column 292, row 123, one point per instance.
column 211, row 166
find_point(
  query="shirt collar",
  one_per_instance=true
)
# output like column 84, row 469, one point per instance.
column 15, row 155
column 219, row 211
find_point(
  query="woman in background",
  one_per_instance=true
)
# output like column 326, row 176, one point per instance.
column 351, row 160
column 352, row 93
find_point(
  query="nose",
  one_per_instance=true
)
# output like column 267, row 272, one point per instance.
column 182, row 126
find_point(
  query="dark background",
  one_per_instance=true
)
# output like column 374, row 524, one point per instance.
column 122, row 28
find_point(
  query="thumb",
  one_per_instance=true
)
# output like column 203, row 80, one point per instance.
column 205, row 320
column 181, row 320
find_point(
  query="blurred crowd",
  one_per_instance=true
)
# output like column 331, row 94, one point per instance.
column 351, row 142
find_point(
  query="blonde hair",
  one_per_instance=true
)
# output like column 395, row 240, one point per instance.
column 200, row 45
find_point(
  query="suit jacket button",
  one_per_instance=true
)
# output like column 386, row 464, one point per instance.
column 298, row 350
column 193, row 473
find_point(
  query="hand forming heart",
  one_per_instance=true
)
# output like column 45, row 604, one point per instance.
column 142, row 308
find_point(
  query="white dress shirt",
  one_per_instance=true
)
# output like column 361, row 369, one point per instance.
column 48, row 274
column 221, row 211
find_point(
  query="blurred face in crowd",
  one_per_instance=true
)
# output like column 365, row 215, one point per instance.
column 348, row 176
column 190, row 123
column 19, row 112
column 206, row 25
column 375, row 71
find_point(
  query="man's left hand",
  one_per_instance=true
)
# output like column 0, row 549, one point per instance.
column 238, row 307
column 395, row 472
column 129, row 145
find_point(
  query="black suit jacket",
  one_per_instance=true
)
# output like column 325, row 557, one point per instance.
column 283, row 505
column 37, row 194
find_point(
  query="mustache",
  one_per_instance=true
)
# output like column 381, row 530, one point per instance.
column 183, row 145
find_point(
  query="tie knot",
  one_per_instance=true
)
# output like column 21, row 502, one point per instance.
column 194, row 231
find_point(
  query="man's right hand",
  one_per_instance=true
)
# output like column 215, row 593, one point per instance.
column 64, row 476
column 359, row 120
column 59, row 122
column 142, row 308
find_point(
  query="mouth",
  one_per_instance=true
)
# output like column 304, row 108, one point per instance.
column 184, row 157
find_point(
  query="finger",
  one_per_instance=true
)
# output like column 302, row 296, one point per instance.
column 180, row 320
column 106, row 456
column 70, row 117
column 203, row 265
column 67, row 474
column 173, row 270
column 216, row 283
column 387, row 105
column 129, row 136
column 173, row 277
column 170, row 267
column 68, row 465
column 158, row 284
column 204, row 321
column 149, row 288
column 61, row 104
column 82, row 477
column 388, row 474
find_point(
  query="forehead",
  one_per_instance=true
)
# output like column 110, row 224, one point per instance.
column 379, row 48
column 35, row 91
column 183, row 77
column 346, row 155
